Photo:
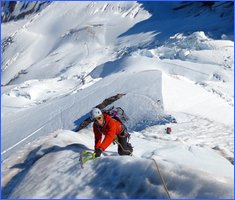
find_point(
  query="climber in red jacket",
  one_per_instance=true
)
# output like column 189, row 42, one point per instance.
column 112, row 130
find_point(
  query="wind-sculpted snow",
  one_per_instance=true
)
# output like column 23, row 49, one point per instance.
column 67, row 110
column 176, row 70
column 52, row 170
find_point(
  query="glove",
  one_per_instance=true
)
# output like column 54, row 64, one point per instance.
column 98, row 152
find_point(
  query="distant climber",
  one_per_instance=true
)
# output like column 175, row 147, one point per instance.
column 112, row 130
column 168, row 130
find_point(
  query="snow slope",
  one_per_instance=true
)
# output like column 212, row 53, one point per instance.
column 53, row 75
column 90, row 37
column 49, row 168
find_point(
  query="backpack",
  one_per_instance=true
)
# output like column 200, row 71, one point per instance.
column 117, row 113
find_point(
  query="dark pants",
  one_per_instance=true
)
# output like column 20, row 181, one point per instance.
column 124, row 147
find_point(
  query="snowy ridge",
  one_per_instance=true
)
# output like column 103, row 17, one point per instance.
column 64, row 112
column 172, row 74
column 17, row 10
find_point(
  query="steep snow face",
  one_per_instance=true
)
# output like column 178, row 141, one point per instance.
column 173, row 75
column 143, row 103
column 50, row 168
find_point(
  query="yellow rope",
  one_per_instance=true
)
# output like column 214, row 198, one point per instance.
column 163, row 182
column 126, row 150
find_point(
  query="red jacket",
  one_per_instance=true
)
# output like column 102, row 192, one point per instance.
column 110, row 129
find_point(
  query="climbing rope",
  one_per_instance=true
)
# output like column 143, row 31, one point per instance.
column 163, row 182
column 158, row 169
column 126, row 150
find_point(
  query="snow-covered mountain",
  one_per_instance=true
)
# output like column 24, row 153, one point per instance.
column 15, row 10
column 173, row 61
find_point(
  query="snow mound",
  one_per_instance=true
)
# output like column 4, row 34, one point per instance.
column 50, row 168
column 114, row 177
column 195, row 41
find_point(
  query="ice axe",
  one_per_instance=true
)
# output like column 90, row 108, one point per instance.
column 86, row 156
